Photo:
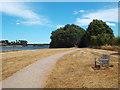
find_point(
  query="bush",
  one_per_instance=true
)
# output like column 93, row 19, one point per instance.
column 98, row 33
column 66, row 37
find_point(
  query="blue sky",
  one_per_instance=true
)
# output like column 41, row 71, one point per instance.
column 35, row 21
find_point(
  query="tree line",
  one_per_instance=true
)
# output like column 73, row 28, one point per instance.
column 17, row 42
column 98, row 33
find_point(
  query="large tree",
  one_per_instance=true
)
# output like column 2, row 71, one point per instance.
column 67, row 36
column 98, row 33
column 97, row 27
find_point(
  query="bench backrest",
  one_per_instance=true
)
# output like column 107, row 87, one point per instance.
column 104, row 56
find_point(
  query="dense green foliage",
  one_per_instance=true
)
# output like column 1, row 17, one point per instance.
column 116, row 41
column 97, row 27
column 67, row 36
column 98, row 33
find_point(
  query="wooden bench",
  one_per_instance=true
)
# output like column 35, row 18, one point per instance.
column 104, row 60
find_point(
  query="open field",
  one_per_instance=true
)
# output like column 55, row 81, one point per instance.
column 112, row 48
column 74, row 70
column 13, row 61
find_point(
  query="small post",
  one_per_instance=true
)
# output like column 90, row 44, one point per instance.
column 100, row 66
column 95, row 62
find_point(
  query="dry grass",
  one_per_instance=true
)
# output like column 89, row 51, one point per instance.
column 13, row 61
column 74, row 71
column 112, row 48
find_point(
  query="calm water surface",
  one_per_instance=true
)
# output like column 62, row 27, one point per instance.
column 22, row 48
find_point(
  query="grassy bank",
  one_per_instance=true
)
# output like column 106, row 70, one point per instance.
column 13, row 61
column 111, row 48
column 74, row 70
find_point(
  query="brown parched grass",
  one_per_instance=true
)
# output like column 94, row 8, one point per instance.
column 111, row 48
column 74, row 70
column 13, row 61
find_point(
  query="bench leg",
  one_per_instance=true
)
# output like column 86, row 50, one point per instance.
column 108, row 65
column 95, row 63
column 100, row 66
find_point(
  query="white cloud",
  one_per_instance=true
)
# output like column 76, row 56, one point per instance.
column 83, row 21
column 108, row 15
column 77, row 12
column 31, row 22
column 81, row 11
column 59, row 26
column 17, row 23
column 22, row 11
column 110, row 24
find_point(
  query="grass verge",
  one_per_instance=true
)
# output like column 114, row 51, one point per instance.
column 74, row 71
column 13, row 61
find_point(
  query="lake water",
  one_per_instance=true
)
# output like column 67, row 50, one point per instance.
column 22, row 48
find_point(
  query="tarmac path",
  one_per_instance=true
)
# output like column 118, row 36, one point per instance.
column 34, row 75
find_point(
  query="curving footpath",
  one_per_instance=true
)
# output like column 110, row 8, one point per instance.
column 33, row 76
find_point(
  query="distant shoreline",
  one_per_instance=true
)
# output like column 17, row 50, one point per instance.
column 28, row 45
column 8, row 48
